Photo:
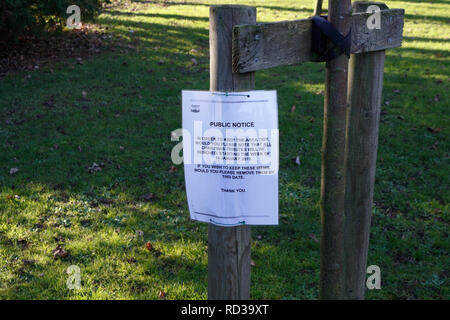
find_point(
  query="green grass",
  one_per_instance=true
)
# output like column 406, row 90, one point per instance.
column 52, row 133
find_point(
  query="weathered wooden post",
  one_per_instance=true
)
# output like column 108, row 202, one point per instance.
column 333, row 154
column 228, row 247
column 364, row 103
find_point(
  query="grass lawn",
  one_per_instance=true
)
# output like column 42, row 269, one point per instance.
column 118, row 109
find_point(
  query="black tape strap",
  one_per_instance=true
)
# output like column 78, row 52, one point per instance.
column 322, row 31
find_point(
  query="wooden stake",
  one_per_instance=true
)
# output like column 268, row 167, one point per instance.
column 364, row 100
column 228, row 247
column 333, row 152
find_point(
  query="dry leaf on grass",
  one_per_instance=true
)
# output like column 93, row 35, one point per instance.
column 162, row 294
column 59, row 252
column 173, row 169
column 434, row 130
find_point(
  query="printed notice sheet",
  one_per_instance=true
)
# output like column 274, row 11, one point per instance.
column 230, row 154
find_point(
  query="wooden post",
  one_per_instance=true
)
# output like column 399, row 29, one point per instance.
column 333, row 154
column 228, row 247
column 318, row 8
column 364, row 100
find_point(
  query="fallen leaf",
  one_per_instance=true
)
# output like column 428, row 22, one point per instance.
column 149, row 246
column 434, row 130
column 161, row 294
column 59, row 252
column 173, row 169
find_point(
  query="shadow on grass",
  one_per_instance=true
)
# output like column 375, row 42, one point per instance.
column 193, row 3
column 427, row 18
column 424, row 39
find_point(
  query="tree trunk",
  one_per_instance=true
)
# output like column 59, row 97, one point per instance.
column 333, row 154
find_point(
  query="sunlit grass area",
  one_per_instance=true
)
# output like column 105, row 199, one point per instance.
column 92, row 145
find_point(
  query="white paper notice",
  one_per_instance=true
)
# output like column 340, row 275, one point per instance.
column 230, row 154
